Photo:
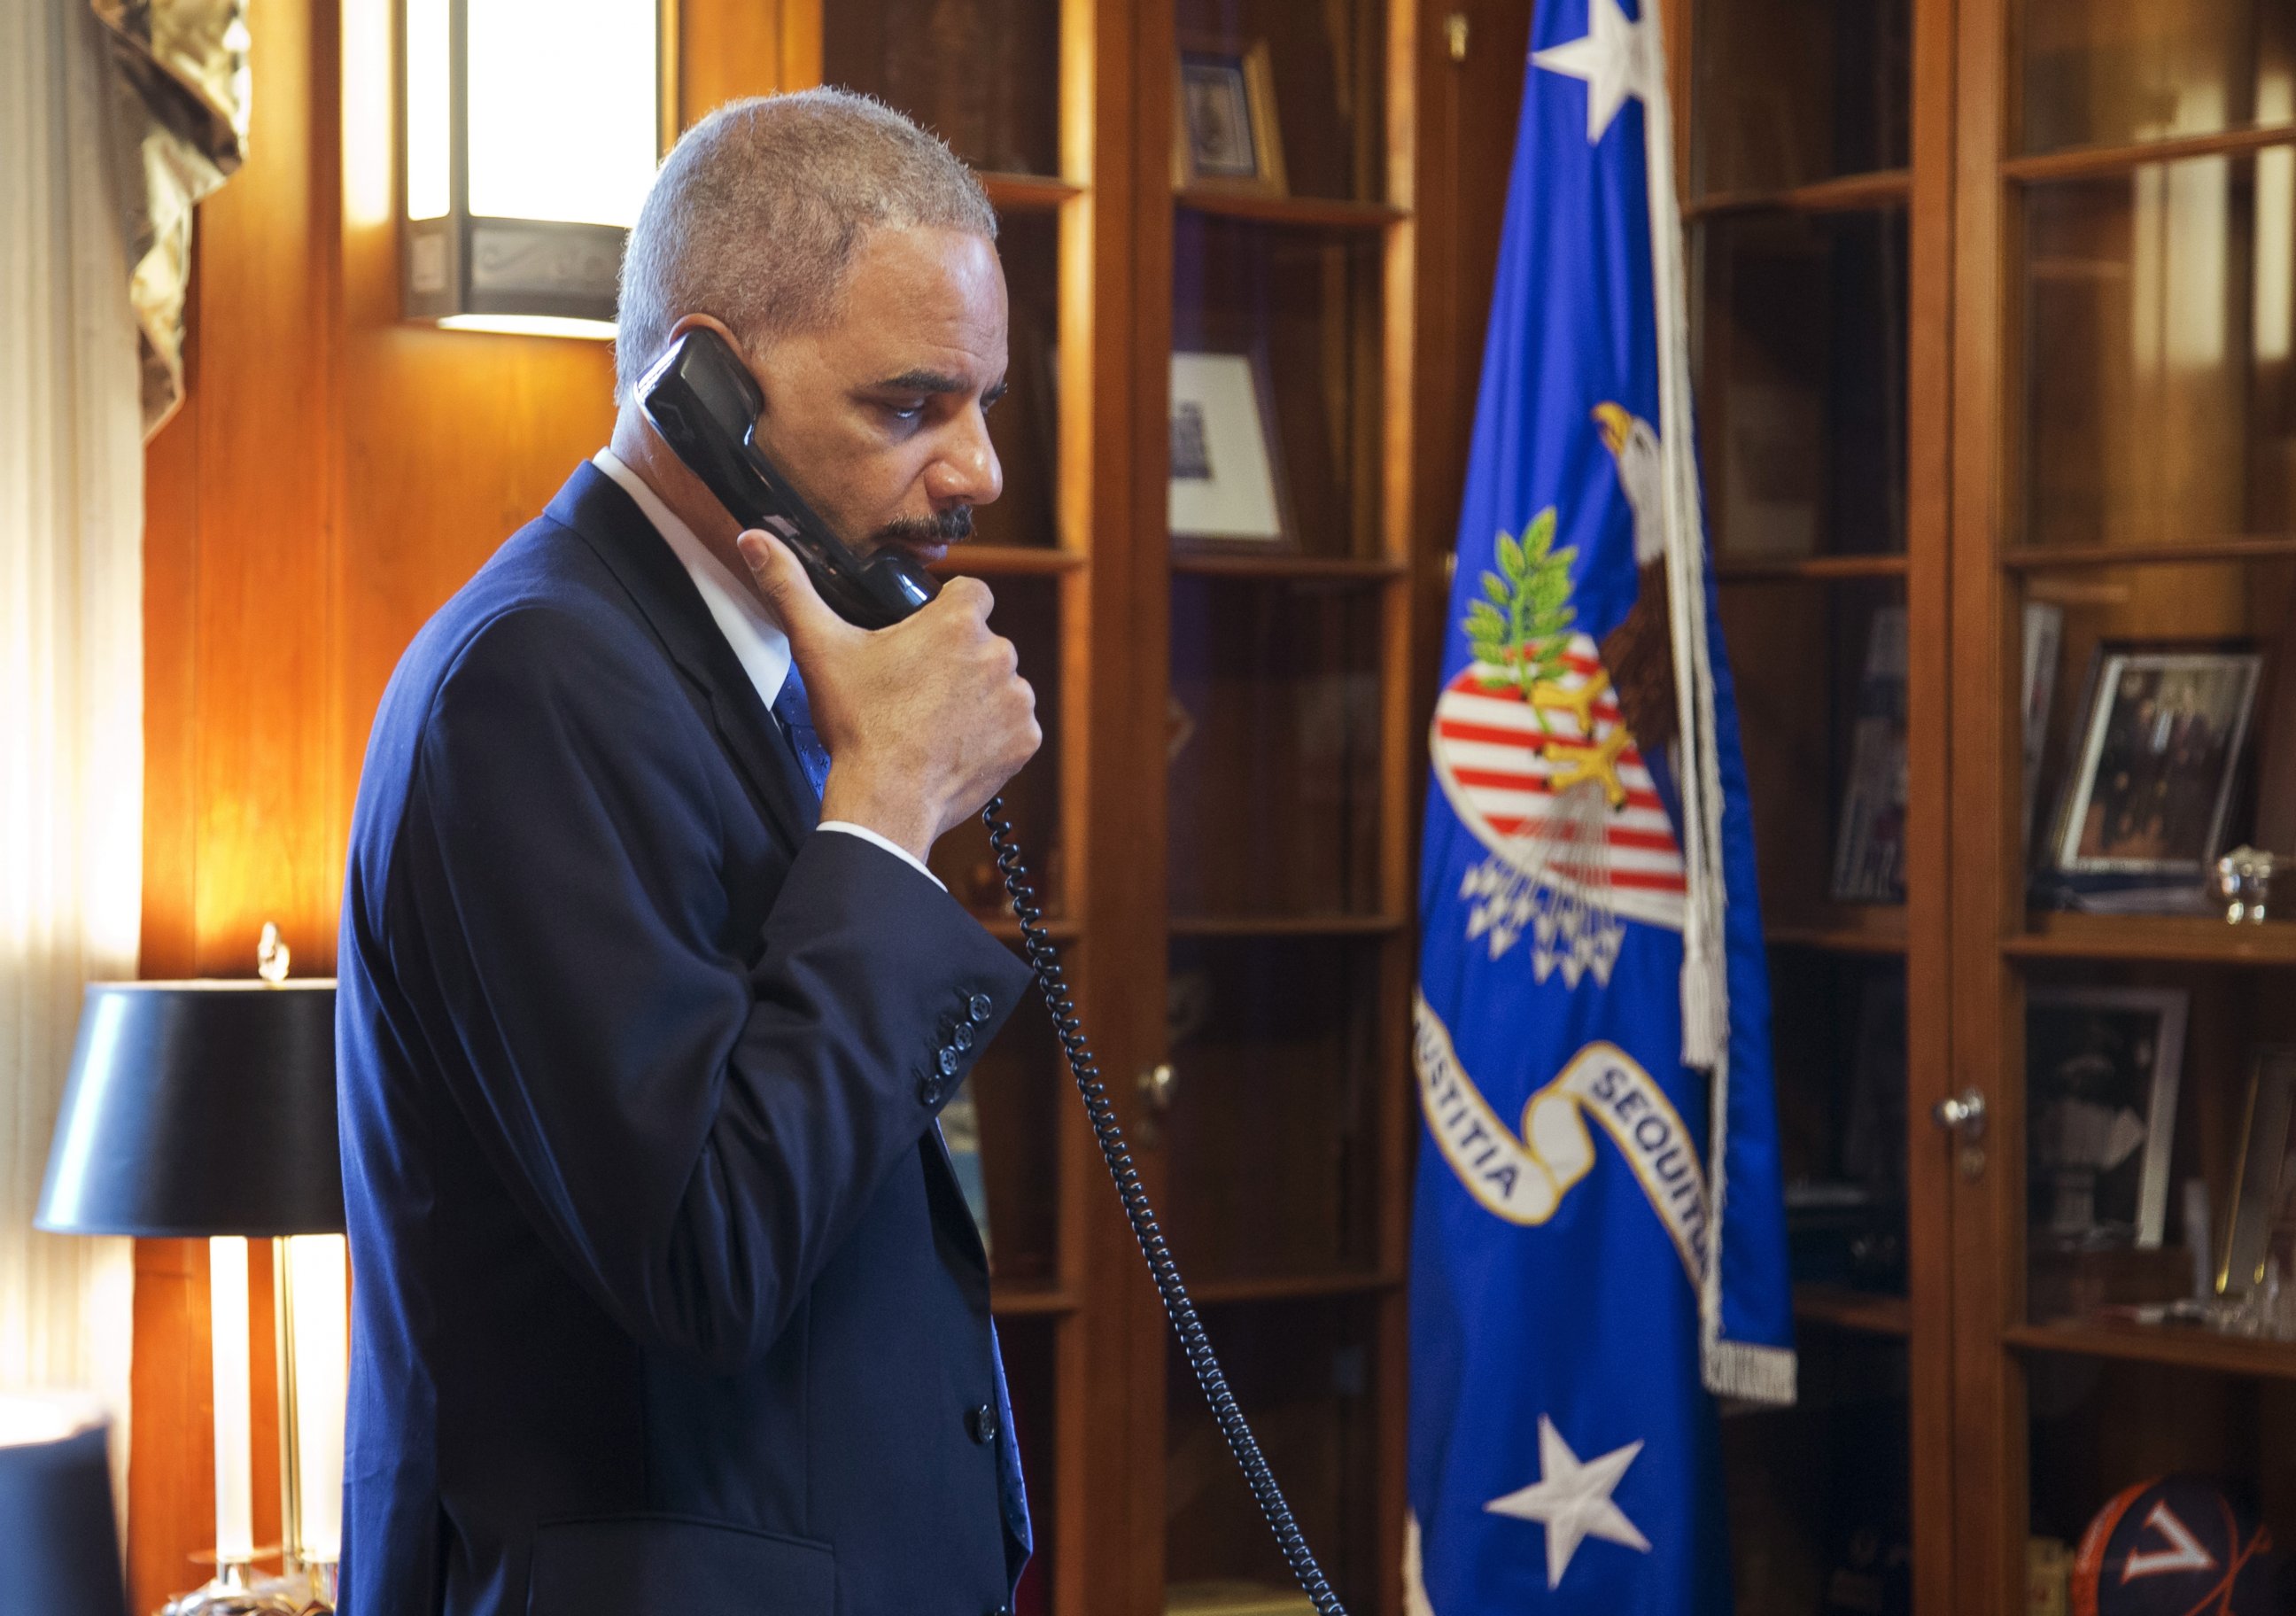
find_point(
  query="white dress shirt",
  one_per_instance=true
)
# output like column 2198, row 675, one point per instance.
column 758, row 642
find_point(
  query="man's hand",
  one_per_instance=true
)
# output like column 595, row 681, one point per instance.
column 924, row 721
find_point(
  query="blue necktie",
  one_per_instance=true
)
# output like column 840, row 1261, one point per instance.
column 796, row 715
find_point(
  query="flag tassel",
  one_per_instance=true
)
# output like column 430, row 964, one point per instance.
column 1729, row 1368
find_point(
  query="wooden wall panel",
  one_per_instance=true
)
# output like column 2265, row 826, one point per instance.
column 241, row 809
column 334, row 476
column 255, row 613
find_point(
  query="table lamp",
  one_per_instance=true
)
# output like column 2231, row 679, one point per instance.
column 58, row 1539
column 207, row 1108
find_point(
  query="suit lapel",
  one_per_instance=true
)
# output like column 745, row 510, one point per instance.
column 613, row 526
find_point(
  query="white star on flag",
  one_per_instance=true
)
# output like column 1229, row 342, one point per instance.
column 1572, row 1500
column 1613, row 57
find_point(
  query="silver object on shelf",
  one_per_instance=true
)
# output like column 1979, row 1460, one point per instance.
column 2243, row 880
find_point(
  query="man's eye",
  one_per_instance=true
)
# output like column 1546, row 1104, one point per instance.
column 913, row 411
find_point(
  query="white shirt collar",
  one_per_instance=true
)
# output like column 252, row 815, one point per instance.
column 757, row 640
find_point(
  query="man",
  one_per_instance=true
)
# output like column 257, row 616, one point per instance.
column 668, row 1300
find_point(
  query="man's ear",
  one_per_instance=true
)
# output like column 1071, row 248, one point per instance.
column 748, row 360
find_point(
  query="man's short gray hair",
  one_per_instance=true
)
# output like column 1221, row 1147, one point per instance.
column 758, row 210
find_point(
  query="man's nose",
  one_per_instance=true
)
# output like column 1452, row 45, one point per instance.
column 967, row 471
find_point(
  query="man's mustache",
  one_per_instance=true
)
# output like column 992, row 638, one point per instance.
column 953, row 526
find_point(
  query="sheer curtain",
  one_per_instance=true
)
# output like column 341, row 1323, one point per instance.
column 72, row 664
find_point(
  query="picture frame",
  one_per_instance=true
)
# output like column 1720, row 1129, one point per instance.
column 2102, row 1068
column 1226, row 472
column 2162, row 735
column 2042, row 639
column 2262, row 1227
column 1870, row 840
column 1224, row 134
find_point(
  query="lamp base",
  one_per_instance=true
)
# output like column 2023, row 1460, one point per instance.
column 303, row 1590
column 230, row 1594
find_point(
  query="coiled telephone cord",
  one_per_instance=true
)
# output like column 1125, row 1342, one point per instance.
column 1045, row 960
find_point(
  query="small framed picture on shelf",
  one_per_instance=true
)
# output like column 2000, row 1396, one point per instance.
column 1869, row 847
column 2044, row 634
column 2101, row 1072
column 1224, row 129
column 2162, row 734
column 1227, row 486
column 2262, row 1236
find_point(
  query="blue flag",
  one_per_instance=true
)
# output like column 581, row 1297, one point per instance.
column 1598, row 1246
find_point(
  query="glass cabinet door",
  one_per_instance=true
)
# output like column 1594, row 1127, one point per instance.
column 1804, row 209
column 987, row 77
column 1289, row 772
column 2128, row 1267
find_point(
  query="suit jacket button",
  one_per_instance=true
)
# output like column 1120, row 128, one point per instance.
column 960, row 1035
column 947, row 1060
column 979, row 1007
column 928, row 1091
column 982, row 1423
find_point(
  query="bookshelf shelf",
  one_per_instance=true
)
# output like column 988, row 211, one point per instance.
column 1204, row 564
column 1858, row 1312
column 1027, row 1302
column 2184, row 1348
column 1800, row 569
column 1286, row 925
column 1301, row 1287
column 2187, row 939
column 1329, row 213
column 1008, row 560
column 1884, row 188
column 1028, row 192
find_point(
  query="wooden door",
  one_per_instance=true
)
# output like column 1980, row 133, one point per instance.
column 1813, row 159
column 2124, row 568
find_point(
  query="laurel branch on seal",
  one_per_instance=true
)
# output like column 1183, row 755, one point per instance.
column 1521, row 628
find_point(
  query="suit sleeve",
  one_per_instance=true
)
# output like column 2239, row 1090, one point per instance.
column 693, row 1122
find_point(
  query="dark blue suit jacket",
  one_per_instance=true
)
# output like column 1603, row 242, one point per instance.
column 667, row 1298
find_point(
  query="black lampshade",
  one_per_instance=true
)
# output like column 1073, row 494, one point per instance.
column 199, row 1108
column 59, row 1544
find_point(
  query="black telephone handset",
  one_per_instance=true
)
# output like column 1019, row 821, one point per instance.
column 705, row 403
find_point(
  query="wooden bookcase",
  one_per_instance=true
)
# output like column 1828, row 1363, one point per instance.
column 1993, row 305
column 1809, row 144
column 1225, row 817
column 2121, row 442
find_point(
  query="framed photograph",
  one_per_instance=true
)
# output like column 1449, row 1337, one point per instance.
column 1224, row 129
column 2163, row 732
column 1227, row 485
column 1869, row 846
column 2262, row 1233
column 1771, row 482
column 2044, row 634
column 2101, row 1070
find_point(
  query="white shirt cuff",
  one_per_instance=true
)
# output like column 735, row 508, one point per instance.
column 895, row 848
